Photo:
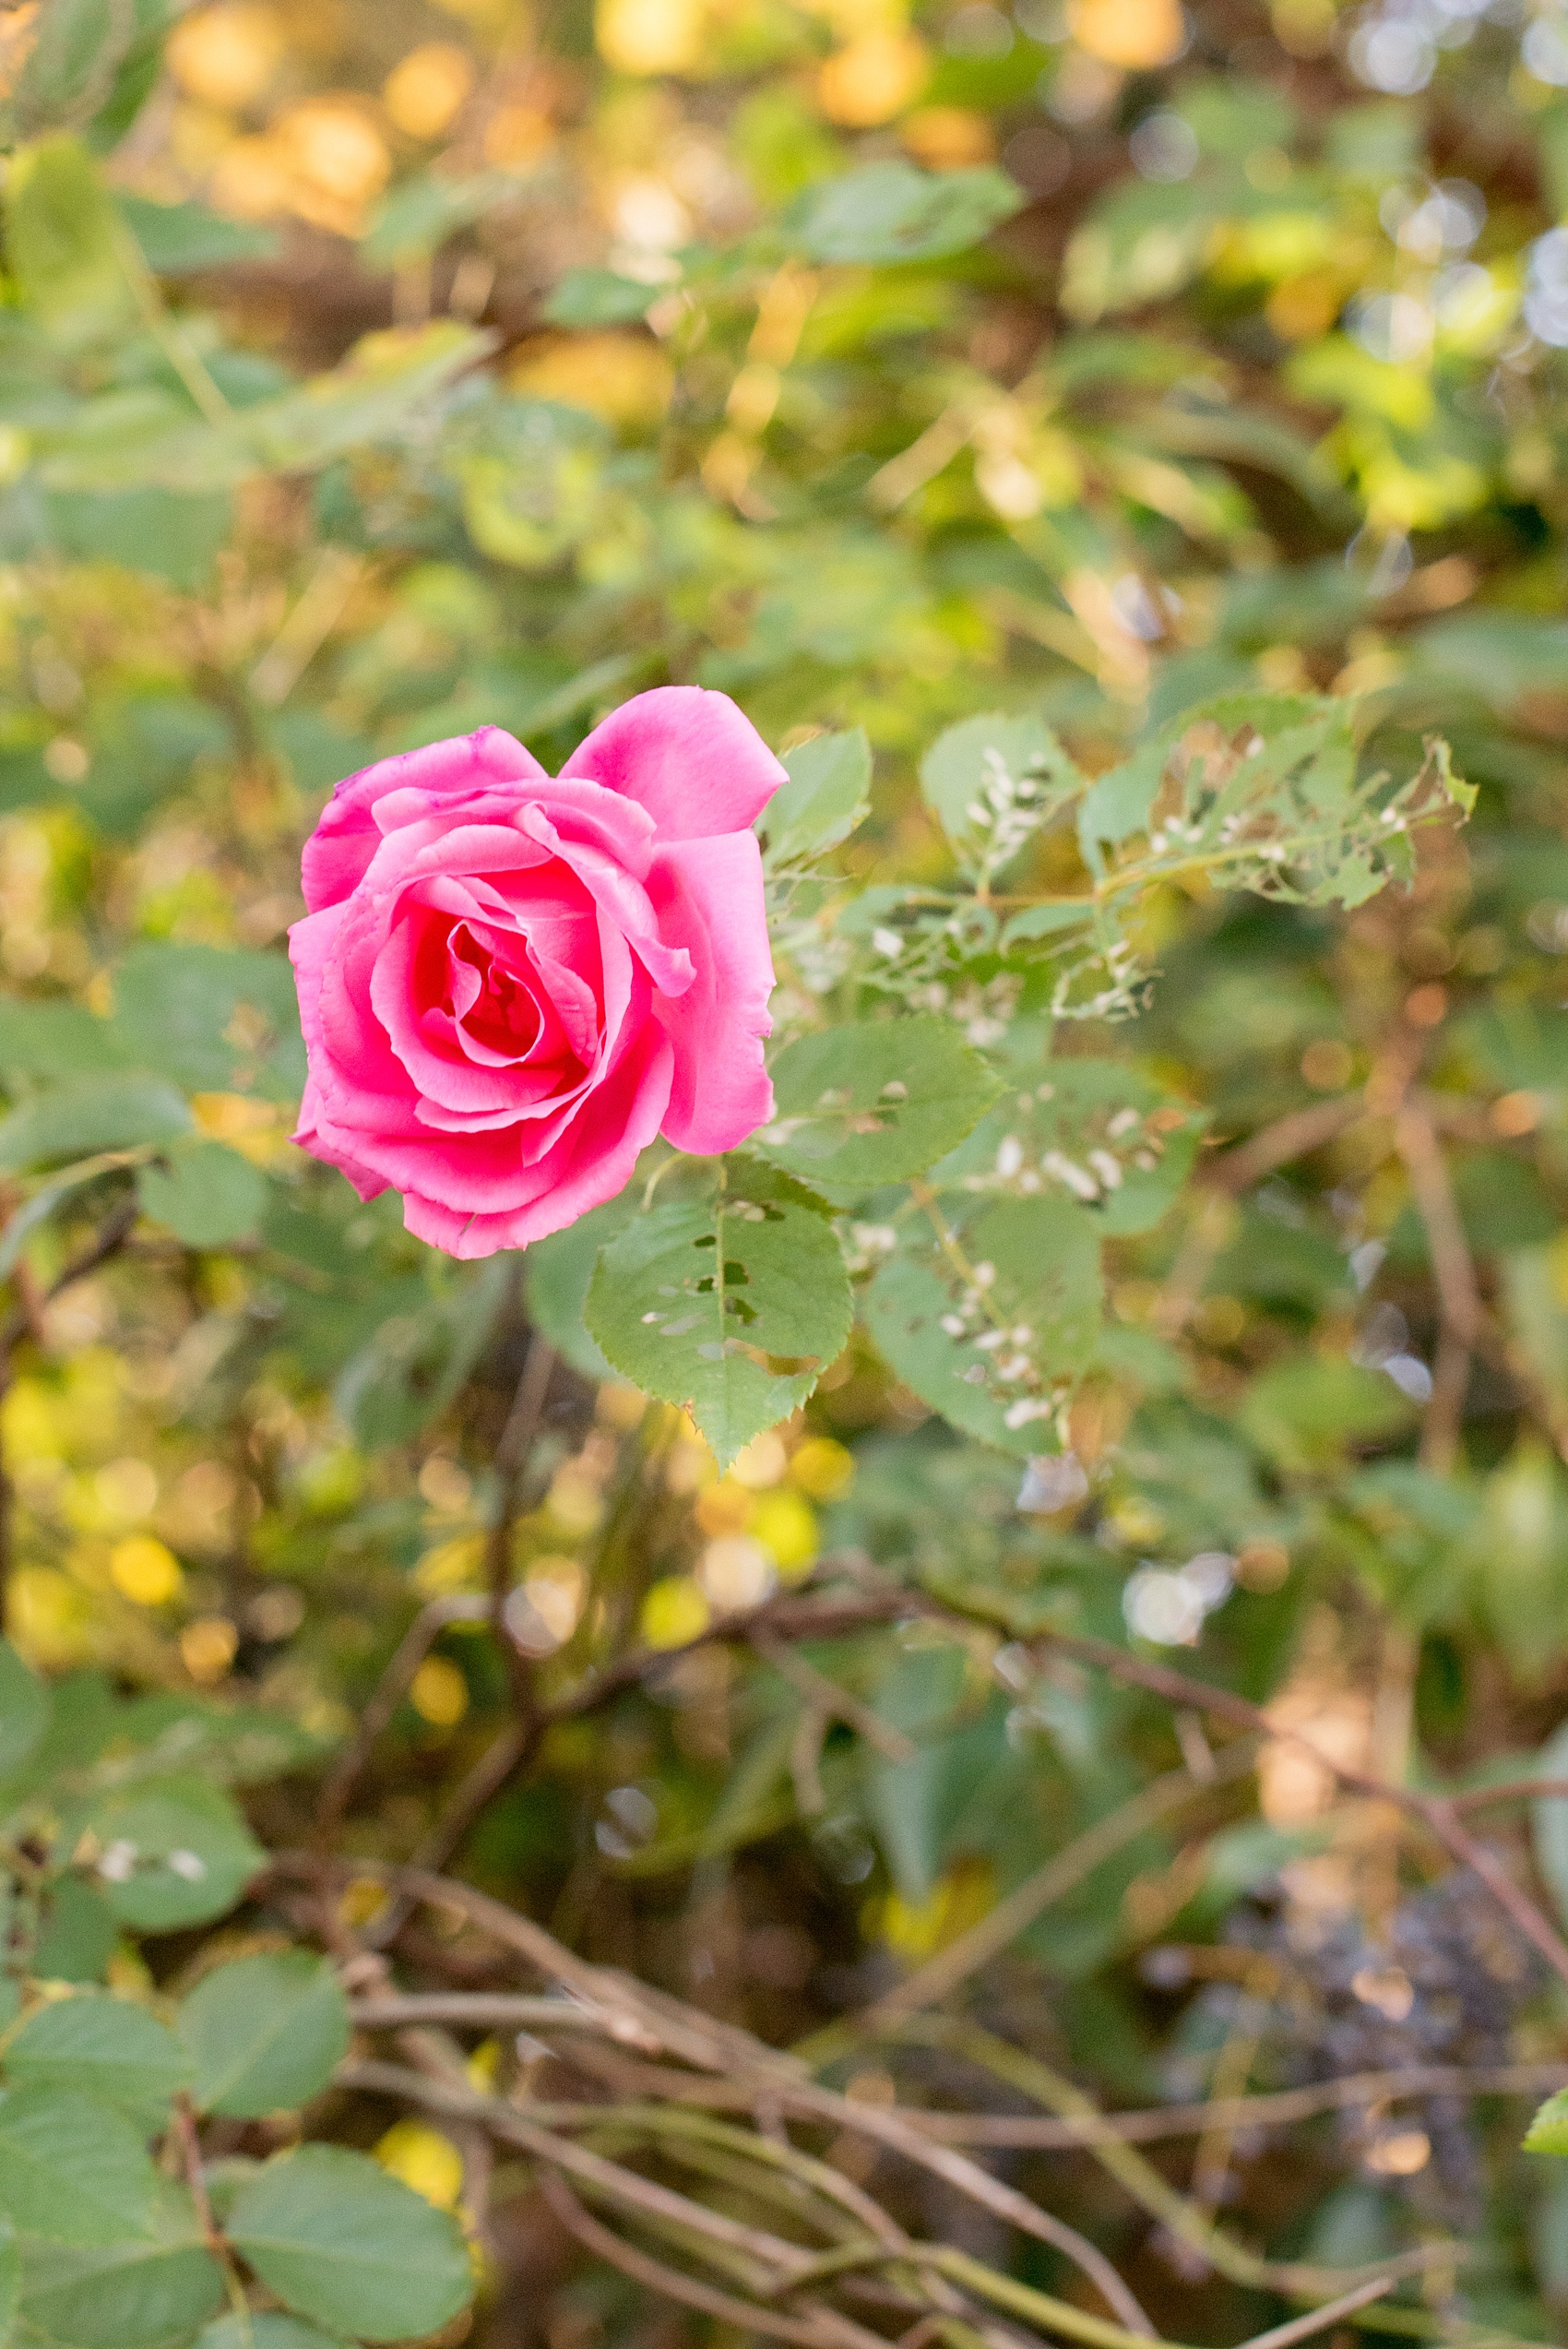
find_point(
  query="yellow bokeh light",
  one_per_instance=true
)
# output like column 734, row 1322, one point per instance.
column 675, row 1610
column 786, row 1526
column 724, row 1507
column 207, row 1646
column 948, row 138
column 761, row 1462
column 1136, row 35
column 426, row 90
column 516, row 136
column 423, row 2159
column 451, row 1566
column 623, row 377
column 875, row 78
column 48, row 1618
column 146, row 1571
column 226, row 56
column 439, row 1693
column 649, row 36
column 823, row 1468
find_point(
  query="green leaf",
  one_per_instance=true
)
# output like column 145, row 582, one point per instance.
column 177, row 240
column 557, row 1272
column 79, row 1936
column 598, row 298
column 992, row 1335
column 78, row 1120
column 25, row 1709
column 873, row 1104
column 214, row 1018
column 206, row 1195
column 71, row 2169
column 369, row 396
column 147, row 2293
column 173, row 1852
column 1548, row 2133
column 343, row 2244
column 732, row 1306
column 888, row 212
column 264, row 2330
column 10, row 2282
column 992, row 781
column 55, row 1039
column 103, row 2045
column 265, row 2033
column 826, row 795
column 1091, row 1130
column 61, row 230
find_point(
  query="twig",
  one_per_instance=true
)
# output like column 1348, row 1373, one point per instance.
column 516, row 2011
column 672, row 2285
column 1273, row 2108
column 778, row 2258
column 1185, row 2216
column 648, row 2016
column 1435, row 1811
column 1282, row 2336
column 830, row 1700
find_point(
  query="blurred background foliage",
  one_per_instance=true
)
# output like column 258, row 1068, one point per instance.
column 372, row 372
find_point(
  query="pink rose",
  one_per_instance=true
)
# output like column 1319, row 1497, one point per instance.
column 509, row 984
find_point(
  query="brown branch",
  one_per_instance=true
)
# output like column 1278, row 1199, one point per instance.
column 1284, row 2336
column 815, row 2330
column 1274, row 2108
column 651, row 2018
column 1436, row 1812
column 1296, row 1134
column 779, row 2259
column 826, row 1697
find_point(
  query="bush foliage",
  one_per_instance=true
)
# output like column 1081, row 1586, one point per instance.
column 662, row 1788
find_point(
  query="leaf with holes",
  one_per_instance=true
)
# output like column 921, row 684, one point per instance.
column 855, row 1107
column 993, row 1333
column 1091, row 1130
column 733, row 1305
column 993, row 782
column 171, row 1851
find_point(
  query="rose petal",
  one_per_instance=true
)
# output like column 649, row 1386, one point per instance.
column 593, row 1163
column 347, row 835
column 692, row 758
column 709, row 894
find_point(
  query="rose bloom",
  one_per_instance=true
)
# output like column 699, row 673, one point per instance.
column 510, row 983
